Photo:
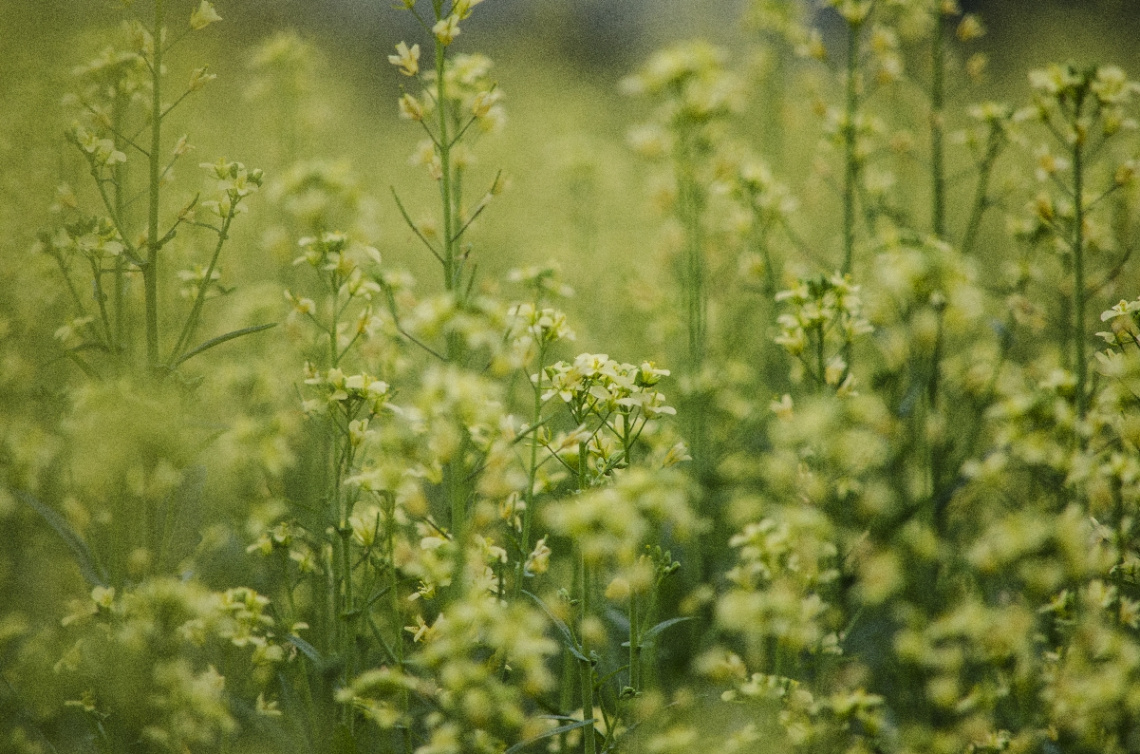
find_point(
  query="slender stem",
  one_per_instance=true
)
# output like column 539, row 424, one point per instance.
column 532, row 472
column 820, row 358
column 150, row 271
column 333, row 514
column 334, row 325
column 586, row 667
column 343, row 597
column 394, row 591
column 566, row 690
column 120, row 176
column 101, row 299
column 200, row 293
column 1079, row 268
column 937, row 118
column 450, row 277
column 582, row 450
column 937, row 449
column 981, row 190
column 690, row 209
column 1122, row 544
column 691, row 201
column 851, row 164
column 65, row 272
column 634, row 642
column 774, row 276
column 457, row 494
column 347, row 618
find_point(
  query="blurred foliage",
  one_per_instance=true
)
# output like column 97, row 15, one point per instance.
column 896, row 509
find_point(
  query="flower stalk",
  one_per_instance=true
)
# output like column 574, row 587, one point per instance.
column 150, row 270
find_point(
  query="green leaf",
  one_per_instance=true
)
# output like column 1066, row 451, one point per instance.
column 218, row 341
column 84, row 558
column 307, row 649
column 180, row 518
column 552, row 732
column 563, row 629
column 648, row 635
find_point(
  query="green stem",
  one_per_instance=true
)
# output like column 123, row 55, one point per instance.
column 774, row 276
column 851, row 164
column 334, row 515
column 532, row 473
column 981, row 191
column 450, row 271
column 394, row 593
column 586, row 667
column 200, row 296
column 582, row 467
column 937, row 150
column 566, row 690
column 120, row 262
column 454, row 475
column 937, row 449
column 344, row 600
column 1122, row 545
column 347, row 618
column 691, row 201
column 150, row 271
column 820, row 358
column 690, row 209
column 457, row 494
column 101, row 300
column 634, row 642
column 1079, row 268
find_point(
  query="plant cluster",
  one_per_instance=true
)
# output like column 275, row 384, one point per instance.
column 883, row 498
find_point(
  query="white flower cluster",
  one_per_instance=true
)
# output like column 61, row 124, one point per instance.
column 337, row 388
column 235, row 182
column 539, row 325
column 596, row 384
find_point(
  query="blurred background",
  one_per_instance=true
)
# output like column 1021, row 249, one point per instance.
column 600, row 34
column 558, row 62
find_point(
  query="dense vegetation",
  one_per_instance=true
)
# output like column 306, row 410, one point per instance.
column 313, row 453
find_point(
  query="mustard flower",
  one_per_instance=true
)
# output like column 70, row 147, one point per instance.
column 542, row 325
column 542, row 279
column 407, row 59
column 970, row 28
column 1111, row 86
column 538, row 561
column 199, row 77
column 203, row 15
column 462, row 8
column 446, row 29
column 69, row 333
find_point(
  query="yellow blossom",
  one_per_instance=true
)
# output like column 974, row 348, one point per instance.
column 407, row 59
column 204, row 15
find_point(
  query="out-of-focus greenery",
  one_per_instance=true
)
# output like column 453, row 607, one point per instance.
column 762, row 378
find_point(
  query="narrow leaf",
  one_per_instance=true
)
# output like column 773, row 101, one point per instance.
column 563, row 629
column 412, row 225
column 219, row 340
column 662, row 626
column 84, row 558
column 307, row 649
column 552, row 732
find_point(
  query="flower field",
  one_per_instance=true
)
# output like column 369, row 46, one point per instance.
column 771, row 390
